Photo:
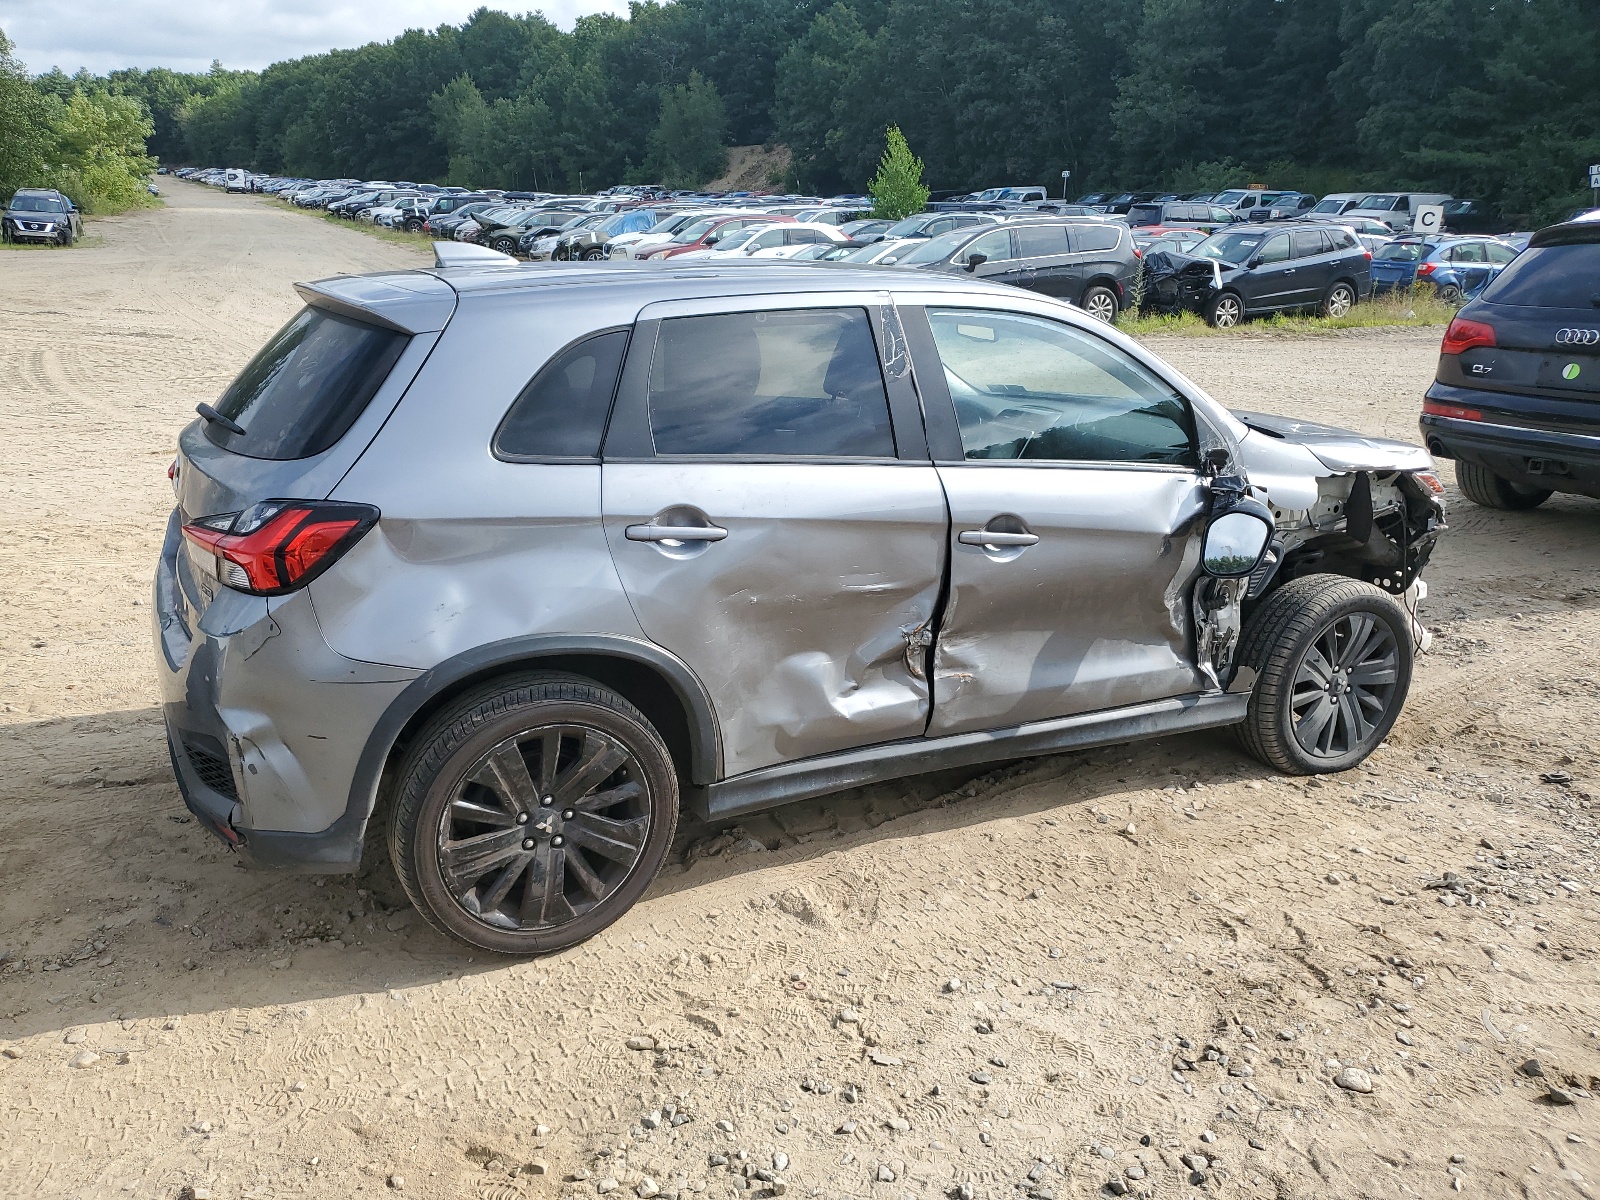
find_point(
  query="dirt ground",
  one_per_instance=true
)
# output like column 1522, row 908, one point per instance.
column 1062, row 978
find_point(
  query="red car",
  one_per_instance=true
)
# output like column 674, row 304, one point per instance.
column 705, row 233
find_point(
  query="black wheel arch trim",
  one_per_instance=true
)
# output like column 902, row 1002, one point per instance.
column 705, row 749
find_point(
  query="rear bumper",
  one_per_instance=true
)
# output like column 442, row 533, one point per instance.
column 1535, row 458
column 265, row 722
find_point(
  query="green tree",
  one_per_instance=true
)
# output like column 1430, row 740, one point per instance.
column 687, row 149
column 97, row 156
column 24, row 137
column 897, row 189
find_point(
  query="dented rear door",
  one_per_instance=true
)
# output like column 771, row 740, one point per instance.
column 772, row 524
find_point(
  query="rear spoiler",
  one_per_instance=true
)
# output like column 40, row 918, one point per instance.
column 411, row 303
column 467, row 254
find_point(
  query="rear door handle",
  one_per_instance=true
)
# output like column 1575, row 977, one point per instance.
column 990, row 537
column 675, row 533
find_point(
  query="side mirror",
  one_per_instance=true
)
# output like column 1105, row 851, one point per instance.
column 974, row 261
column 1235, row 542
column 712, row 240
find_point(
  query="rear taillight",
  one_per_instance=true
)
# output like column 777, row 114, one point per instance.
column 1368, row 253
column 280, row 545
column 1426, row 269
column 1464, row 335
column 1434, row 408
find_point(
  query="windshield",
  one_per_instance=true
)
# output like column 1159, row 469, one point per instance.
column 1230, row 247
column 36, row 204
column 1329, row 206
column 1401, row 251
column 1229, row 199
column 694, row 232
column 736, row 239
column 1457, row 207
column 935, row 249
column 910, row 227
column 1379, row 203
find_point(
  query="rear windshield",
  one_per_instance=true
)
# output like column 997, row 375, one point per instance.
column 1145, row 214
column 1401, row 251
column 1551, row 277
column 306, row 387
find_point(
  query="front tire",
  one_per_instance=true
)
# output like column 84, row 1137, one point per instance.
column 1101, row 304
column 1341, row 298
column 532, row 813
column 1333, row 658
column 505, row 245
column 1225, row 310
column 593, row 254
column 1483, row 486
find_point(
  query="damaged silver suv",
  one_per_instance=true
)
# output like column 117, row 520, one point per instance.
column 517, row 560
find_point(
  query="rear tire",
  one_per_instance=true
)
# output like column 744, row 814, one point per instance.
column 1101, row 303
column 413, row 226
column 532, row 813
column 1483, row 486
column 1450, row 294
column 1333, row 658
column 1341, row 298
column 1225, row 310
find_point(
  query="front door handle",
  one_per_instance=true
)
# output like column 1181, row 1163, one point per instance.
column 992, row 537
column 675, row 533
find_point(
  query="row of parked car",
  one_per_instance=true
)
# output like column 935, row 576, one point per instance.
column 1227, row 256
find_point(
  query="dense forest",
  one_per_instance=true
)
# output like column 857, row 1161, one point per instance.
column 1491, row 98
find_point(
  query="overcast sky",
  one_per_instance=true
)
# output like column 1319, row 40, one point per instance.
column 187, row 34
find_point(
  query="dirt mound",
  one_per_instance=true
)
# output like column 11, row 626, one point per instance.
column 753, row 169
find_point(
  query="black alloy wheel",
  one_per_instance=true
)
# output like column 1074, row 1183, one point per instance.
column 1344, row 684
column 532, row 814
column 1333, row 660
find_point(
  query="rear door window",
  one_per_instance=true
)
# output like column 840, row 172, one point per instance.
column 306, row 387
column 796, row 383
column 1550, row 277
column 1041, row 241
column 1309, row 242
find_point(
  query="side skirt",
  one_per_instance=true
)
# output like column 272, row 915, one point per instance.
column 788, row 782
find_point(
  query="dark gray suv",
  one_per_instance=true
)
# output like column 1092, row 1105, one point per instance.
column 1090, row 263
column 41, row 215
column 519, row 559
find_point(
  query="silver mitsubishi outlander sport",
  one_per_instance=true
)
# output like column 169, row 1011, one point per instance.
column 520, row 559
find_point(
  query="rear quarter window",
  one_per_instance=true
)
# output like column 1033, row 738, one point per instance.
column 1550, row 277
column 305, row 388
column 1086, row 238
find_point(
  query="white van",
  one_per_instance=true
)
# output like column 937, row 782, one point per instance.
column 236, row 179
column 1397, row 210
column 1338, row 203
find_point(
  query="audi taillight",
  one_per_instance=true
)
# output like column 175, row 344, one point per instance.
column 280, row 545
column 1464, row 335
column 1454, row 411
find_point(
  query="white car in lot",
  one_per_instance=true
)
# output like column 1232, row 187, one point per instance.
column 770, row 241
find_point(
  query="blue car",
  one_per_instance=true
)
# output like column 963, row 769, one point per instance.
column 1457, row 267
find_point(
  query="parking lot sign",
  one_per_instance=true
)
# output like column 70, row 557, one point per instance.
column 1428, row 218
column 1594, row 175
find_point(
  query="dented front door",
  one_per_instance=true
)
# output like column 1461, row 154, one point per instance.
column 1068, row 592
column 766, row 528
column 1075, row 504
